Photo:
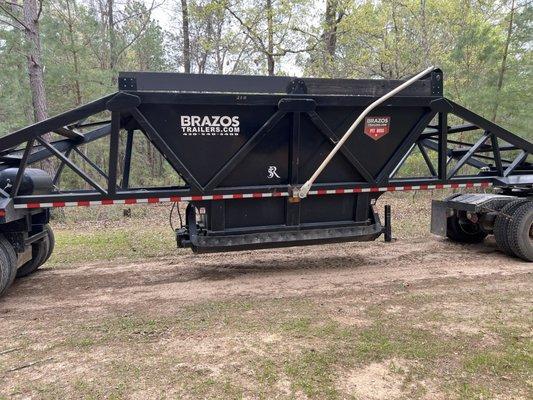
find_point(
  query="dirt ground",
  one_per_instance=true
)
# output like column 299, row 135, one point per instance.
column 417, row 318
column 140, row 330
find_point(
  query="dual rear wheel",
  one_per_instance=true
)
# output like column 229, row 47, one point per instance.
column 513, row 229
column 41, row 251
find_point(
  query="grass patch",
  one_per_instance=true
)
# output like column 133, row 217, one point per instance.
column 312, row 372
column 513, row 359
column 75, row 246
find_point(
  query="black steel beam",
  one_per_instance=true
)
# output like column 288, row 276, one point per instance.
column 433, row 145
column 325, row 130
column 91, row 163
column 61, row 145
column 170, row 81
column 427, row 159
column 489, row 126
column 49, row 125
column 73, row 166
column 405, row 146
column 84, row 195
column 113, row 153
column 218, row 99
column 22, row 167
column 517, row 161
column 127, row 160
column 167, row 152
column 69, row 133
column 468, row 154
column 245, row 150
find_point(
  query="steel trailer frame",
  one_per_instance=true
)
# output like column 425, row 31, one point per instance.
column 283, row 213
column 26, row 146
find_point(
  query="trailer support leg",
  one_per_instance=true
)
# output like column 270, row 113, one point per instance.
column 388, row 226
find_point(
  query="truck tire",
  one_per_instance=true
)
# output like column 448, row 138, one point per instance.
column 51, row 242
column 8, row 264
column 39, row 251
column 501, row 224
column 520, row 231
column 464, row 232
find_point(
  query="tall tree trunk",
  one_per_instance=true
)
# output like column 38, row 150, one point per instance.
column 75, row 60
column 424, row 30
column 270, row 39
column 112, row 34
column 503, row 66
column 31, row 12
column 330, row 29
column 186, row 37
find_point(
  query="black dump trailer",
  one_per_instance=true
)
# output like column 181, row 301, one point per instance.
column 271, row 162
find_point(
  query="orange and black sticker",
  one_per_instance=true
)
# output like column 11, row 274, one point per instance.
column 376, row 127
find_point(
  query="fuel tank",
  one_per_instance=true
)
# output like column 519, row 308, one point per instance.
column 34, row 181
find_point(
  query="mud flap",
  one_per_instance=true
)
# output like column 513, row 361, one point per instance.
column 439, row 217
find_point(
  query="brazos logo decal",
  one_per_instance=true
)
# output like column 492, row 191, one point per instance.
column 377, row 127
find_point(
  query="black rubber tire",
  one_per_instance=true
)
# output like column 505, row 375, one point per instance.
column 51, row 242
column 501, row 226
column 520, row 230
column 39, row 251
column 8, row 264
column 464, row 233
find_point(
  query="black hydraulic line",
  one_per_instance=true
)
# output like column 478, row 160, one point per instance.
column 73, row 166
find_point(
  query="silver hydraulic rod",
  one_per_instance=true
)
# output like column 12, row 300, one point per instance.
column 302, row 192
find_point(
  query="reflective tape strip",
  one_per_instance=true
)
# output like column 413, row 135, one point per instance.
column 319, row 192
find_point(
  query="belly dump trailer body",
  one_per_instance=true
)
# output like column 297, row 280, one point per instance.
column 271, row 162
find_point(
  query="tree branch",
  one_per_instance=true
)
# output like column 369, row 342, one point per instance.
column 3, row 4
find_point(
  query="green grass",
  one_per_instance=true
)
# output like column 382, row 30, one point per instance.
column 311, row 352
column 77, row 246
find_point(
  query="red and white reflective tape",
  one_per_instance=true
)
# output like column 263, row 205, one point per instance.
column 401, row 188
column 319, row 192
